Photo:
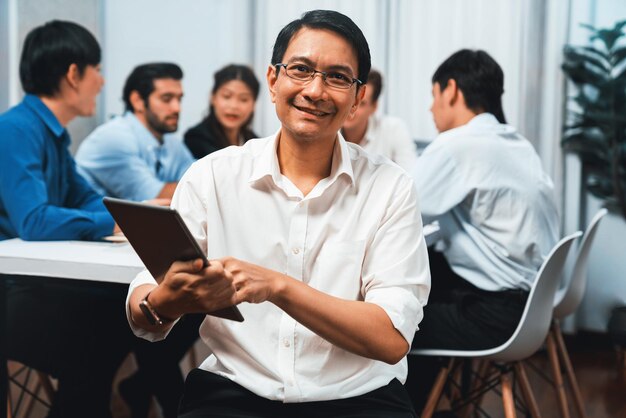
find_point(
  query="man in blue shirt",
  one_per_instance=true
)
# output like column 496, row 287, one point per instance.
column 42, row 197
column 132, row 156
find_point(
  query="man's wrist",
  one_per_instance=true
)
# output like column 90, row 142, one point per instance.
column 153, row 314
column 278, row 287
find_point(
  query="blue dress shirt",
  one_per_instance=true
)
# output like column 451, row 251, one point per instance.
column 123, row 159
column 42, row 197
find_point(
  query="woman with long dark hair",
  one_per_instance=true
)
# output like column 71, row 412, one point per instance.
column 231, row 110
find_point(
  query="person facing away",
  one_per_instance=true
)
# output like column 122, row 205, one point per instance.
column 484, row 183
column 231, row 110
column 134, row 156
column 325, row 269
column 42, row 197
column 379, row 134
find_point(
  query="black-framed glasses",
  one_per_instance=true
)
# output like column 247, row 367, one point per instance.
column 304, row 73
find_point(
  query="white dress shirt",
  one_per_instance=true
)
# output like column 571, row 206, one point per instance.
column 495, row 205
column 389, row 136
column 357, row 235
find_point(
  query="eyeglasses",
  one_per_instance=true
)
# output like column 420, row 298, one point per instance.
column 304, row 73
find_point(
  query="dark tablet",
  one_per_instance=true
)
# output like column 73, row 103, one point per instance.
column 160, row 237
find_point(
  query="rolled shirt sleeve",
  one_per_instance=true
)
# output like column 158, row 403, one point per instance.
column 396, row 275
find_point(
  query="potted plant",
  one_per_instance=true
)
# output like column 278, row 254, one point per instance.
column 596, row 124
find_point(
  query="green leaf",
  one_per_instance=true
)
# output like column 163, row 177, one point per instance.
column 589, row 50
column 617, row 55
column 590, row 149
column 582, row 73
column 588, row 55
column 608, row 36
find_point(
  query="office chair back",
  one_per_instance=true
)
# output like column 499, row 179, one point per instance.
column 569, row 297
column 535, row 321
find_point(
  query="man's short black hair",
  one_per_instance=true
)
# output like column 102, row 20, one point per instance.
column 375, row 82
column 478, row 76
column 141, row 79
column 48, row 52
column 335, row 22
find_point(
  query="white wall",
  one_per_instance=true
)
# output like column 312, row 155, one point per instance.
column 200, row 36
column 4, row 54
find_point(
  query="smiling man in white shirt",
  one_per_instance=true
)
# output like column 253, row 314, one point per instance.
column 313, row 238
column 495, row 205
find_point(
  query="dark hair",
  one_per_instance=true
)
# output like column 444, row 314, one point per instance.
column 229, row 73
column 335, row 22
column 48, row 52
column 375, row 82
column 478, row 76
column 142, row 79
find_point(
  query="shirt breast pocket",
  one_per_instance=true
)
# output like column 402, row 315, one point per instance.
column 337, row 269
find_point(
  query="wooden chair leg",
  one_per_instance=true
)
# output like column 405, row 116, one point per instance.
column 482, row 368
column 32, row 400
column 507, row 396
column 556, row 374
column 455, row 394
column 529, row 397
column 9, row 407
column 435, row 392
column 46, row 384
column 562, row 349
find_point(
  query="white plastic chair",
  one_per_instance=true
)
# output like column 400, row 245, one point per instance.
column 566, row 302
column 525, row 341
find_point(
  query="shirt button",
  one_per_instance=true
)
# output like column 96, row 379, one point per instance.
column 286, row 343
column 296, row 251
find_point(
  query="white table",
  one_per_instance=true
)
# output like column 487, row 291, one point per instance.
column 82, row 260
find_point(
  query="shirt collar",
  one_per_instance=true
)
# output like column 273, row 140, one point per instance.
column 483, row 119
column 488, row 123
column 45, row 114
column 141, row 131
column 484, row 124
column 267, row 162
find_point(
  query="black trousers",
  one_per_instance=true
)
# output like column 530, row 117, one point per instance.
column 459, row 316
column 208, row 395
column 76, row 333
column 158, row 371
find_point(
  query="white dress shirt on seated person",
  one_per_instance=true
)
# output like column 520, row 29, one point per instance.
column 495, row 205
column 389, row 136
column 357, row 235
